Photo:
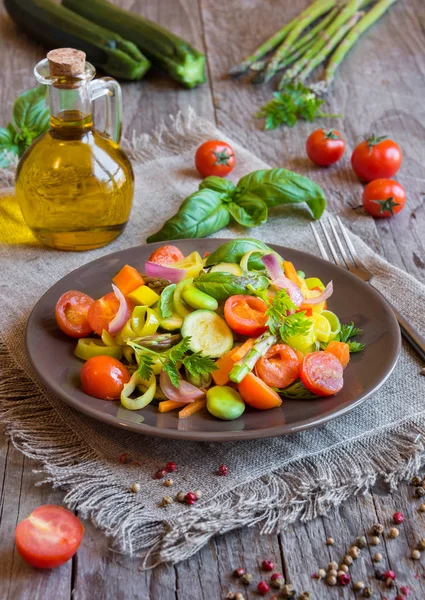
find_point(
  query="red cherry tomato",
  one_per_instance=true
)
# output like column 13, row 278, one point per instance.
column 280, row 366
column 71, row 314
column 166, row 255
column 102, row 312
column 246, row 315
column 104, row 377
column 322, row 373
column 325, row 147
column 49, row 536
column 384, row 197
column 376, row 158
column 214, row 158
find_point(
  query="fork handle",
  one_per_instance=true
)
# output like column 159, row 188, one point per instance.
column 410, row 333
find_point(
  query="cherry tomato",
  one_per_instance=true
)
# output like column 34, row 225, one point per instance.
column 246, row 315
column 165, row 255
column 325, row 147
column 102, row 312
column 384, row 197
column 214, row 158
column 280, row 366
column 49, row 536
column 376, row 158
column 258, row 394
column 71, row 314
column 104, row 377
column 322, row 373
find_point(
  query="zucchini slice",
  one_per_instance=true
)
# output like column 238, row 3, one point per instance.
column 209, row 333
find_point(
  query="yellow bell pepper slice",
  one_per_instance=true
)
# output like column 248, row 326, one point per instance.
column 143, row 296
column 313, row 282
column 148, row 387
column 193, row 264
column 322, row 327
column 88, row 347
column 144, row 321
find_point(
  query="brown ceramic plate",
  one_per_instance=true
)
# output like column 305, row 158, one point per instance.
column 51, row 354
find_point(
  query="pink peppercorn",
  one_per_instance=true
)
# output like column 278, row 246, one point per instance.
column 405, row 590
column 171, row 467
column 276, row 576
column 160, row 474
column 389, row 575
column 400, row 597
column 239, row 572
column 223, row 470
column 190, row 498
column 268, row 565
column 263, row 588
column 398, row 517
column 344, row 579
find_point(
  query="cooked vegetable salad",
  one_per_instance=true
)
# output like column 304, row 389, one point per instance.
column 238, row 327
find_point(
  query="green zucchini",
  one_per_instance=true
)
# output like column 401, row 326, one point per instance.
column 165, row 50
column 55, row 26
column 209, row 333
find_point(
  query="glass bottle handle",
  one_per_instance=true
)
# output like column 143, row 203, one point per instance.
column 106, row 86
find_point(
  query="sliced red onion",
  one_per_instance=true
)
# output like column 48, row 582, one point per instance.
column 186, row 392
column 327, row 293
column 122, row 315
column 272, row 264
column 294, row 292
column 171, row 273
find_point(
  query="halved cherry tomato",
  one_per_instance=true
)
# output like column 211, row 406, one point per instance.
column 71, row 313
column 166, row 255
column 384, row 197
column 104, row 377
column 246, row 314
column 49, row 536
column 325, row 147
column 322, row 373
column 376, row 158
column 341, row 350
column 103, row 311
column 214, row 158
column 258, row 394
column 280, row 366
column 128, row 279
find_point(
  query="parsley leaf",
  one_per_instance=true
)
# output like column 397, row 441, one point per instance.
column 198, row 364
column 293, row 102
column 355, row 346
column 283, row 318
column 145, row 369
column 177, row 352
column 347, row 332
column 171, row 369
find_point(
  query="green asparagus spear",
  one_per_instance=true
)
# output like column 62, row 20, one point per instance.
column 312, row 13
column 338, row 56
column 246, row 364
column 287, row 62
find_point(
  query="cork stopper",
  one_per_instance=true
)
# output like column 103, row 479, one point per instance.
column 66, row 62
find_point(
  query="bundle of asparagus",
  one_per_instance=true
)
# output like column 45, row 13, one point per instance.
column 327, row 29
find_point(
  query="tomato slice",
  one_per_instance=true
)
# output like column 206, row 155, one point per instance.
column 246, row 315
column 166, row 255
column 280, row 366
column 322, row 373
column 258, row 394
column 104, row 377
column 71, row 314
column 102, row 312
column 49, row 536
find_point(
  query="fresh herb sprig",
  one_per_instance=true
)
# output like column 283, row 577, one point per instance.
column 293, row 102
column 283, row 318
column 347, row 332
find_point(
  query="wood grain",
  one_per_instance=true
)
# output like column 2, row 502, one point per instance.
column 380, row 88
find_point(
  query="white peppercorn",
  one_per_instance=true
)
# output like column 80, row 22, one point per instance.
column 416, row 554
column 393, row 533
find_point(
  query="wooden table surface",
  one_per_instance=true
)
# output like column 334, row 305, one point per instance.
column 380, row 88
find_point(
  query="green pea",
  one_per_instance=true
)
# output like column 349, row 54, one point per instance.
column 197, row 299
column 224, row 403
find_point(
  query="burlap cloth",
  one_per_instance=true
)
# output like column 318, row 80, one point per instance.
column 272, row 481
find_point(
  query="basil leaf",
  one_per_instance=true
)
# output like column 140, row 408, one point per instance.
column 166, row 304
column 218, row 184
column 233, row 251
column 7, row 144
column 221, row 285
column 248, row 210
column 200, row 214
column 280, row 186
column 28, row 106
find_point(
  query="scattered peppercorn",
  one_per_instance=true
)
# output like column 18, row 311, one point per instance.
column 375, row 540
column 160, row 474
column 168, row 482
column 354, row 552
column 420, row 492
column 180, row 497
column 321, row 574
column 304, row 596
column 416, row 481
column 230, row 596
column 343, row 568
column 348, row 560
column 135, row 488
column 422, row 508
column 190, row 498
column 263, row 587
column 125, row 458
column 198, row 494
column 333, row 573
column 331, row 580
column 398, row 518
column 361, row 542
column 393, row 533
column 330, row 541
column 377, row 529
column 405, row 590
column 171, row 467
column 340, row 572
column 239, row 596
column 344, row 579
column 288, row 591
column 400, row 597
column 416, row 554
column 332, row 565
column 389, row 582
column 246, row 578
column 421, row 544
column 277, row 582
column 166, row 501
column 223, row 470
column 377, row 557
column 367, row 592
column 239, row 572
column 380, row 574
column 389, row 574
column 358, row 586
column 267, row 565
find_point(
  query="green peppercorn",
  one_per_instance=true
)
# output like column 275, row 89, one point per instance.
column 304, row 596
column 367, row 592
column 246, row 578
column 416, row 481
column 377, row 529
column 361, row 542
column 421, row 544
column 288, row 591
column 420, row 492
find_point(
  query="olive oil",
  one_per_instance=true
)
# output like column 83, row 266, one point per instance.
column 75, row 184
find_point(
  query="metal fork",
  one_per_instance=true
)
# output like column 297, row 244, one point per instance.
column 356, row 267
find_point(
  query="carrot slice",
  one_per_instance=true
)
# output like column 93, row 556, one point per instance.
column 240, row 352
column 224, row 365
column 128, row 279
column 341, row 350
column 258, row 394
column 167, row 405
column 291, row 273
column 192, row 408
